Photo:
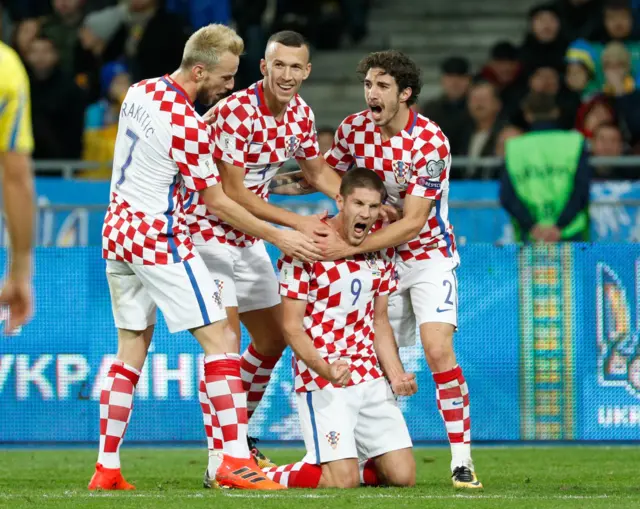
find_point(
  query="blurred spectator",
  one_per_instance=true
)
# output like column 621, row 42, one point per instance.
column 547, row 80
column 57, row 104
column 449, row 110
column 101, row 120
column 248, row 15
column 62, row 28
column 507, row 132
column 581, row 69
column 545, row 184
column 504, row 71
column 579, row 18
column 544, row 45
column 618, row 26
column 478, row 139
column 621, row 88
column 608, row 142
column 151, row 39
column 325, row 138
column 616, row 67
column 594, row 113
column 200, row 13
column 24, row 34
column 617, row 23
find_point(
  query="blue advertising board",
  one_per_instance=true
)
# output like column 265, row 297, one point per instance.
column 72, row 212
column 548, row 341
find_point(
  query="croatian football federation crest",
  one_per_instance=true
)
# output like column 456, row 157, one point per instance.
column 618, row 335
column 402, row 171
column 292, row 145
column 333, row 438
column 217, row 296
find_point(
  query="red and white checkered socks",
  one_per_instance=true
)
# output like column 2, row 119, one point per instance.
column 116, row 402
column 228, row 401
column 368, row 473
column 452, row 396
column 295, row 475
column 255, row 369
column 210, row 419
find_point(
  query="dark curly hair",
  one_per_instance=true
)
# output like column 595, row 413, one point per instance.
column 397, row 65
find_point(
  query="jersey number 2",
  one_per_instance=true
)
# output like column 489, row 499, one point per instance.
column 134, row 139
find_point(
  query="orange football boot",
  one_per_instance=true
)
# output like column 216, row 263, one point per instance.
column 243, row 474
column 108, row 479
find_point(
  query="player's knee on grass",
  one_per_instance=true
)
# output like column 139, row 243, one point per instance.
column 133, row 346
column 437, row 341
column 397, row 468
column 342, row 474
column 216, row 338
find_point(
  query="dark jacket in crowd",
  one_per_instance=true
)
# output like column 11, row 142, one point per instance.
column 57, row 108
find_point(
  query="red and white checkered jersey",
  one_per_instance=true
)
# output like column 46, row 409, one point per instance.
column 162, row 147
column 339, row 314
column 416, row 161
column 248, row 136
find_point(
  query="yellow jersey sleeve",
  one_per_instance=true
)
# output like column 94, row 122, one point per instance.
column 15, row 105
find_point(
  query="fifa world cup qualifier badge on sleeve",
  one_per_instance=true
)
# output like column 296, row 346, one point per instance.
column 402, row 171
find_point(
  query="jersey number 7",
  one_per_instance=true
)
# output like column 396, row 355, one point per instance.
column 134, row 139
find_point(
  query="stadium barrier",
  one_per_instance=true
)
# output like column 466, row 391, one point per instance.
column 547, row 338
column 71, row 211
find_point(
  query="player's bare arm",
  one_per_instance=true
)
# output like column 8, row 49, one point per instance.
column 321, row 176
column 403, row 384
column 17, row 188
column 291, row 183
column 233, row 184
column 293, row 311
column 293, row 243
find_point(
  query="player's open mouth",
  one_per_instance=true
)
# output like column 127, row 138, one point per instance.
column 376, row 111
column 359, row 228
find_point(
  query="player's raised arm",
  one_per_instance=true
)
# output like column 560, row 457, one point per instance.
column 16, row 143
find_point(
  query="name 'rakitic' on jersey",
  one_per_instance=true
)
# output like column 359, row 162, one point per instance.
column 140, row 115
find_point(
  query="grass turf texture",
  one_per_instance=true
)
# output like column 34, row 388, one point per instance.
column 544, row 477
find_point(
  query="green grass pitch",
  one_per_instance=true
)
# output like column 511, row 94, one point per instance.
column 540, row 477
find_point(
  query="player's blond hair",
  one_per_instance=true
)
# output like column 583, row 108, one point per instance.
column 208, row 44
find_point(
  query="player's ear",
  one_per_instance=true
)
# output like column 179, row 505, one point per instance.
column 340, row 202
column 406, row 94
column 263, row 67
column 307, row 71
column 197, row 72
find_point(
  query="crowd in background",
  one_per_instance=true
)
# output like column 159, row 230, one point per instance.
column 82, row 55
column 584, row 55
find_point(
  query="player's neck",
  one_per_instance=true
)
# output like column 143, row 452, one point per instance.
column 397, row 124
column 276, row 108
column 336, row 223
column 187, row 85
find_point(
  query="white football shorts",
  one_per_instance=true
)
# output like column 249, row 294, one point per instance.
column 184, row 292
column 427, row 292
column 246, row 274
column 361, row 421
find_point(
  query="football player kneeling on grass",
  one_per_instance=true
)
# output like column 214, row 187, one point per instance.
column 347, row 367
